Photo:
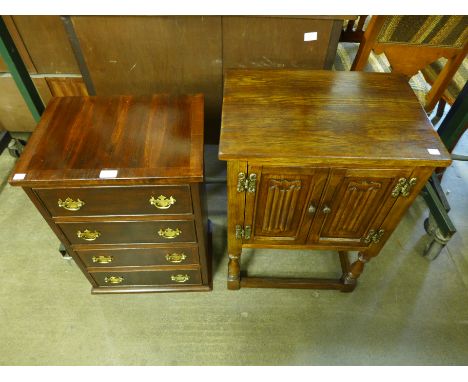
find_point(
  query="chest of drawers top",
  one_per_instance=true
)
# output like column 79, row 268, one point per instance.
column 315, row 116
column 154, row 139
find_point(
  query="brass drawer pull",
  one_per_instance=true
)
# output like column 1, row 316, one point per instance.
column 162, row 202
column 326, row 210
column 113, row 280
column 70, row 204
column 169, row 233
column 102, row 259
column 175, row 257
column 180, row 278
column 88, row 235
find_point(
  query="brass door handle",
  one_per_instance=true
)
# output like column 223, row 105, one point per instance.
column 180, row 278
column 113, row 280
column 169, row 233
column 70, row 204
column 162, row 202
column 102, row 259
column 88, row 235
column 175, row 257
column 326, row 210
column 312, row 209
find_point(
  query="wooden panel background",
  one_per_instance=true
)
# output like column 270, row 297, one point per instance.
column 47, row 43
column 169, row 54
column 274, row 42
column 14, row 113
column 18, row 41
column 143, row 55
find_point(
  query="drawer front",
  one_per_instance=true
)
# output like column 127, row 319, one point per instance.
column 140, row 257
column 178, row 277
column 94, row 201
column 160, row 231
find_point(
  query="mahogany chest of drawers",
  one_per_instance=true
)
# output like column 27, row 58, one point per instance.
column 118, row 179
column 321, row 160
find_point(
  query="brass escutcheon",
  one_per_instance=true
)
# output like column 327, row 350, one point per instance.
column 70, row 204
column 176, row 257
column 102, row 259
column 162, row 202
column 88, row 235
column 113, row 280
column 180, row 278
column 169, row 233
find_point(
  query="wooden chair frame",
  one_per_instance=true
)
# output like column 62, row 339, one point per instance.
column 416, row 57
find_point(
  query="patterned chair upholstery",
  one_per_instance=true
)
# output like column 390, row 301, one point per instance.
column 435, row 31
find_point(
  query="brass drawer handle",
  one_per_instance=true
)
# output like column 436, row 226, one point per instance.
column 180, row 278
column 175, row 257
column 162, row 202
column 88, row 235
column 169, row 233
column 113, row 280
column 326, row 210
column 70, row 204
column 103, row 259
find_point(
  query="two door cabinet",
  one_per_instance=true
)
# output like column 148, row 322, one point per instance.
column 321, row 160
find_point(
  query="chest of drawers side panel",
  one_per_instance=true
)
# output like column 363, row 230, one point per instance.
column 203, row 234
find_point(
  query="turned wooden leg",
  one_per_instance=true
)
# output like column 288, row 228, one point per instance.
column 233, row 272
column 355, row 271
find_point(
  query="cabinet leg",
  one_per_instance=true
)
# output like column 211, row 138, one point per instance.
column 233, row 272
column 350, row 279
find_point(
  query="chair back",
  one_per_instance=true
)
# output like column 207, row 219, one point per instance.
column 434, row 31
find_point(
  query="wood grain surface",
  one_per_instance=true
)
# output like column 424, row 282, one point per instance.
column 14, row 113
column 47, row 43
column 67, row 86
column 337, row 117
column 146, row 137
column 19, row 44
column 145, row 55
column 274, row 42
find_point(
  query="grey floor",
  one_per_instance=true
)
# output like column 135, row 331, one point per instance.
column 405, row 310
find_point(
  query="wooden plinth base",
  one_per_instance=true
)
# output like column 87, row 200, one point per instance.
column 343, row 284
column 151, row 289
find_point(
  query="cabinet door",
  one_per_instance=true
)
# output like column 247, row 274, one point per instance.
column 279, row 212
column 354, row 202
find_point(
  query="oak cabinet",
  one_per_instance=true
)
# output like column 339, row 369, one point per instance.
column 323, row 161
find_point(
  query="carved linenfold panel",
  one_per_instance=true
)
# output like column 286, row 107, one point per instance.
column 363, row 186
column 359, row 199
column 281, row 201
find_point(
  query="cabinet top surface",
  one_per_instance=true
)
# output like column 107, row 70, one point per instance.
column 315, row 116
column 145, row 138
